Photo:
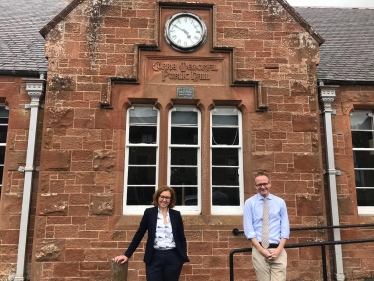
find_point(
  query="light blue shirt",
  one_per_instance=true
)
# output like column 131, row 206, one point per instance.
column 278, row 218
column 164, row 238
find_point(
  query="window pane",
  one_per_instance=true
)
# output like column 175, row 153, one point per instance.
column 224, row 117
column 184, row 118
column 142, row 155
column 362, row 139
column 225, row 136
column 143, row 115
column 1, row 176
column 365, row 197
column 183, row 176
column 361, row 121
column 225, row 157
column 3, row 133
column 143, row 134
column 184, row 135
column 363, row 159
column 225, row 176
column 4, row 114
column 140, row 195
column 2, row 155
column 186, row 196
column 364, row 178
column 225, row 196
column 184, row 156
column 141, row 175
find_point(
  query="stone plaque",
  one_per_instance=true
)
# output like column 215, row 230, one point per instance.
column 185, row 92
column 187, row 71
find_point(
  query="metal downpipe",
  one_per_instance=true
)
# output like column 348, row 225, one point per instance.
column 35, row 89
column 327, row 95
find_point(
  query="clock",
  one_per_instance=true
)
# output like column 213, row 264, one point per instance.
column 185, row 32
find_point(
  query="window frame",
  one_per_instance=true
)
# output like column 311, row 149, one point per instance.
column 362, row 210
column 138, row 209
column 186, row 209
column 227, row 209
column 4, row 145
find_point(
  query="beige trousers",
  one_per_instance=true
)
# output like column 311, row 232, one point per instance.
column 272, row 270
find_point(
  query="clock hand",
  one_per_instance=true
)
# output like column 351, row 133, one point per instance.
column 185, row 32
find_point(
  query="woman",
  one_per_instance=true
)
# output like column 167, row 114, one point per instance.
column 166, row 248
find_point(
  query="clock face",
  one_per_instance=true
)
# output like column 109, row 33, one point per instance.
column 185, row 32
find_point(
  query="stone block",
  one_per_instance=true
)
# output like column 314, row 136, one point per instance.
column 49, row 250
column 55, row 160
column 12, row 203
column 307, row 162
column 102, row 204
column 304, row 123
column 309, row 205
column 104, row 160
column 53, row 204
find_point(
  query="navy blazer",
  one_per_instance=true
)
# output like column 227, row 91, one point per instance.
column 149, row 222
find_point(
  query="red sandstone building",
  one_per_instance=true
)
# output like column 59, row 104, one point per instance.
column 198, row 96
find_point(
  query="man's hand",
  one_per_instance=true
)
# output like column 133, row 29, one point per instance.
column 275, row 253
column 266, row 253
column 121, row 259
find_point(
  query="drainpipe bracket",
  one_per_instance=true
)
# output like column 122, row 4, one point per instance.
column 28, row 106
column 332, row 172
column 332, row 111
column 23, row 169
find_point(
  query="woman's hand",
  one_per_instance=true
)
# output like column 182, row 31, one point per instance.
column 121, row 259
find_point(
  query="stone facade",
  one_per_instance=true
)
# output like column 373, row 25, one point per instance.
column 101, row 56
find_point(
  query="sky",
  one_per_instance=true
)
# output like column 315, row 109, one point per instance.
column 332, row 3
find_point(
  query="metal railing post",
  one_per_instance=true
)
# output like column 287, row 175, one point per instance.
column 324, row 263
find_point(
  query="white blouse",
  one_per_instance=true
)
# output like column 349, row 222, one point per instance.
column 164, row 239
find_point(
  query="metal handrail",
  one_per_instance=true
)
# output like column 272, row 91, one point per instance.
column 301, row 245
column 322, row 244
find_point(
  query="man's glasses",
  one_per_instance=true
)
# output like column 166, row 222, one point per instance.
column 262, row 184
column 167, row 198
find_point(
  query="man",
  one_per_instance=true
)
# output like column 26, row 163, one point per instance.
column 268, row 256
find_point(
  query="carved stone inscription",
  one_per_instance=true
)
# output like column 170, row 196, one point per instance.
column 185, row 71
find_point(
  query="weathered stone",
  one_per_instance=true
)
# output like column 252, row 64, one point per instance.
column 58, row 83
column 104, row 160
column 102, row 204
column 50, row 250
column 60, row 117
column 53, row 204
column 119, row 271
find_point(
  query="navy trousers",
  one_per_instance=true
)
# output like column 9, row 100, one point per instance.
column 165, row 265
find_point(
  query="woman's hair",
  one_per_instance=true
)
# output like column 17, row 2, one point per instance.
column 173, row 199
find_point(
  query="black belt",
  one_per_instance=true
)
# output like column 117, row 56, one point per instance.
column 271, row 246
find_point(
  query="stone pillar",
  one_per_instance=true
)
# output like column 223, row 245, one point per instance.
column 119, row 271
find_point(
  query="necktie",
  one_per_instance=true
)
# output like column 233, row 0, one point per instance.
column 265, row 225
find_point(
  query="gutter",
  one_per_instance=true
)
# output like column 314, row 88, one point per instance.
column 35, row 89
column 27, row 73
column 327, row 95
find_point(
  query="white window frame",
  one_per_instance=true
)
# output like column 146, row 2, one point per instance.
column 364, row 210
column 138, row 209
column 228, row 210
column 190, row 210
column 3, row 145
